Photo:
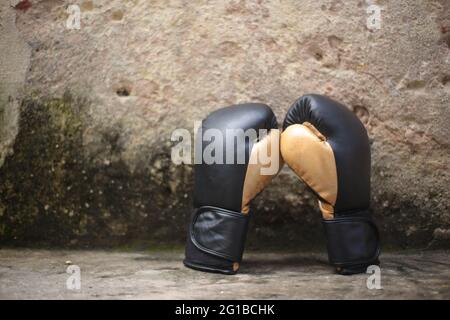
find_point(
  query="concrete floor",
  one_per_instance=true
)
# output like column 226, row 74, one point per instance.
column 41, row 274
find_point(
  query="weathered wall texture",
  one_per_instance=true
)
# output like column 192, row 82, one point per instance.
column 14, row 61
column 90, row 163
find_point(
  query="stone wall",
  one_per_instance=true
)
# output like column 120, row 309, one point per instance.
column 86, row 115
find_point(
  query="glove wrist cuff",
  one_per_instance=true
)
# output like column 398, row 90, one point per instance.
column 219, row 232
column 352, row 241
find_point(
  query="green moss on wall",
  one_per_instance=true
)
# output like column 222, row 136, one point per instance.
column 53, row 193
column 55, row 190
column 38, row 184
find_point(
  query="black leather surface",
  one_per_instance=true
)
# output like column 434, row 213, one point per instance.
column 352, row 237
column 216, row 236
column 359, row 231
column 347, row 137
column 221, row 185
column 220, row 232
column 201, row 260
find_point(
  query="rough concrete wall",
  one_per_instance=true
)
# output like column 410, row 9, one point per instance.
column 91, row 161
column 14, row 61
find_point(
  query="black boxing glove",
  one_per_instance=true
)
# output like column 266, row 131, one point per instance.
column 327, row 146
column 245, row 160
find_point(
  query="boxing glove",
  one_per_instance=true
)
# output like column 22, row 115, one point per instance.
column 327, row 146
column 239, row 151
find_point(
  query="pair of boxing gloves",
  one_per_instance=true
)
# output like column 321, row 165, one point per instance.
column 324, row 143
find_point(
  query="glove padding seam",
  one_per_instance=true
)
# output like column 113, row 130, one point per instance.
column 223, row 212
